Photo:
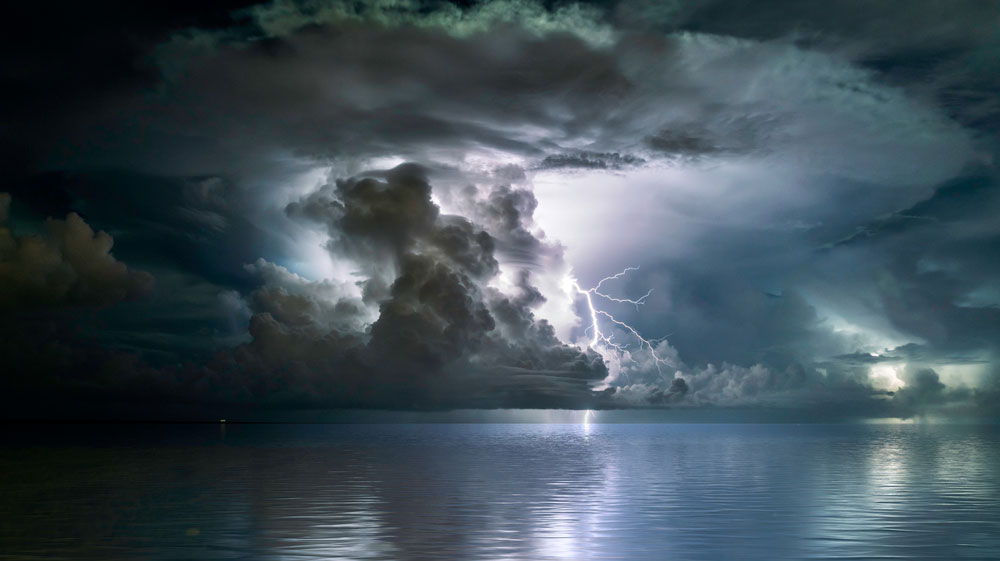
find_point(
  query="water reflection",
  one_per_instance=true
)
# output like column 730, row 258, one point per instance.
column 585, row 491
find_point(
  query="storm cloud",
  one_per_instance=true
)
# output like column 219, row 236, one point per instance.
column 387, row 205
column 68, row 265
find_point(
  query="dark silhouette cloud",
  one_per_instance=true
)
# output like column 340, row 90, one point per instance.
column 591, row 160
column 70, row 265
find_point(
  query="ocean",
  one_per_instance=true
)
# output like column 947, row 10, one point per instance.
column 499, row 491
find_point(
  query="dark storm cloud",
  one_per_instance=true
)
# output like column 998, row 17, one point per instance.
column 507, row 214
column 591, row 160
column 330, row 78
column 70, row 265
column 442, row 337
column 194, row 234
column 372, row 91
column 327, row 88
column 200, row 224
column 838, row 155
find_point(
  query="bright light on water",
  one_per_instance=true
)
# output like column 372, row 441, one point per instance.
column 482, row 492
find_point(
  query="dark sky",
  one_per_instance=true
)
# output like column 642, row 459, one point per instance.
column 260, row 210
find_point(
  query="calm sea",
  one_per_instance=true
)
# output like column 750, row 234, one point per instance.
column 530, row 492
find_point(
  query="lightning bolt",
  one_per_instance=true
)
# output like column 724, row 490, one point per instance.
column 603, row 343
column 597, row 289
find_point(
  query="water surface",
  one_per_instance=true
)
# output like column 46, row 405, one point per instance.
column 470, row 492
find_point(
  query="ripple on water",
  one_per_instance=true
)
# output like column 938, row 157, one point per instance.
column 501, row 492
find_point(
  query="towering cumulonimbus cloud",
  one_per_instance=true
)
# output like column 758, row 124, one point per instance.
column 442, row 335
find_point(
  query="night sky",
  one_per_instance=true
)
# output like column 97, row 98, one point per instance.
column 704, row 209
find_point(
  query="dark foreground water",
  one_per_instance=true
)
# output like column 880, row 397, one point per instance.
column 531, row 492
